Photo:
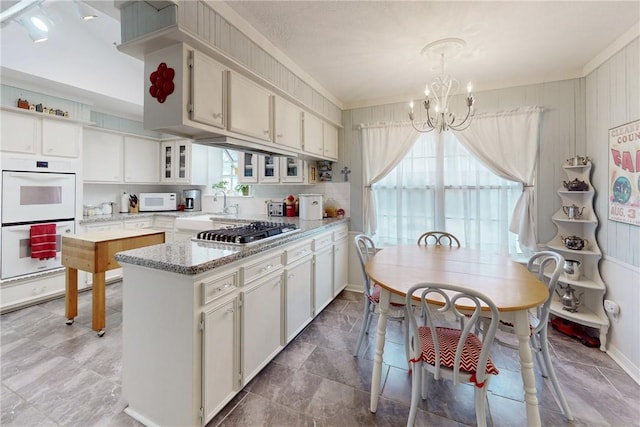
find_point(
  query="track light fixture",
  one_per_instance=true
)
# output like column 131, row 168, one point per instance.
column 85, row 12
column 37, row 24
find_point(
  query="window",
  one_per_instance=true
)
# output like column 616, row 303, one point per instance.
column 439, row 185
column 230, row 168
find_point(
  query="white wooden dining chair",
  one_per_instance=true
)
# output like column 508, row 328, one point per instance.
column 444, row 351
column 548, row 266
column 366, row 248
column 438, row 238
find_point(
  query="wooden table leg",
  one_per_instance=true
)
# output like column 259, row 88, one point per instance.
column 99, row 303
column 71, row 295
column 526, row 367
column 376, row 376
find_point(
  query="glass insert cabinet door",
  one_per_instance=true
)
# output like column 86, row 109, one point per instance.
column 247, row 168
column 291, row 169
column 269, row 169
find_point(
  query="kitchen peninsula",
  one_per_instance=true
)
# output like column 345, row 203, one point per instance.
column 201, row 319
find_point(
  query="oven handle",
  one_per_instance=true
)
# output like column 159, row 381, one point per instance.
column 59, row 229
column 35, row 176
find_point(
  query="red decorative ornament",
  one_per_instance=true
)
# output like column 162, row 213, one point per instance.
column 162, row 82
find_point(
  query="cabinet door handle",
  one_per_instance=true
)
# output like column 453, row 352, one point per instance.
column 216, row 115
column 279, row 135
column 267, row 268
column 302, row 252
column 266, row 132
column 290, row 276
column 230, row 311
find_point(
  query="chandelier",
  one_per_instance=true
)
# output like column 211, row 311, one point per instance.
column 438, row 93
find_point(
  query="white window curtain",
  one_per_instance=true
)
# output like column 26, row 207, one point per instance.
column 439, row 185
column 384, row 145
column 507, row 143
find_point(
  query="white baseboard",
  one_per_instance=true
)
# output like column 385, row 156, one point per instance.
column 624, row 363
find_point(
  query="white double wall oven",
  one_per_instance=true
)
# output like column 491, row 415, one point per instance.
column 34, row 192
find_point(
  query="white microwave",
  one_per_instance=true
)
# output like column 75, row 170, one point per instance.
column 154, row 202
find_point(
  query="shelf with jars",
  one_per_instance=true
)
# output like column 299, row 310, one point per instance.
column 580, row 292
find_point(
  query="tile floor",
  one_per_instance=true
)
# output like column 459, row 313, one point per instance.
column 58, row 375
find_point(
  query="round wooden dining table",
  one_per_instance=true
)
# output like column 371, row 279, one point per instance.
column 509, row 284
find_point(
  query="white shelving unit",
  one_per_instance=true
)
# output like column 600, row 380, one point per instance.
column 589, row 287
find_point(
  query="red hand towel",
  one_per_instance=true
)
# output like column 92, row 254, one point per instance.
column 43, row 241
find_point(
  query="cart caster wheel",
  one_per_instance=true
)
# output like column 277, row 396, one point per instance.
column 101, row 332
column 69, row 322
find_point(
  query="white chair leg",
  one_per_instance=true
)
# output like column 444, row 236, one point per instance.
column 544, row 347
column 537, row 347
column 405, row 321
column 424, row 381
column 365, row 325
column 480, row 397
column 415, row 393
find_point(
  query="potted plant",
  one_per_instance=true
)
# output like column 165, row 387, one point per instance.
column 242, row 188
column 222, row 185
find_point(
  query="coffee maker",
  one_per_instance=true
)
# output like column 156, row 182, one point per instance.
column 192, row 200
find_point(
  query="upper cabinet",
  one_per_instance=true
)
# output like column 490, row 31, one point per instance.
column 190, row 94
column 287, row 123
column 60, row 138
column 320, row 138
column 36, row 133
column 207, row 90
column 20, row 132
column 249, row 108
column 103, row 156
column 312, row 135
column 139, row 156
column 182, row 162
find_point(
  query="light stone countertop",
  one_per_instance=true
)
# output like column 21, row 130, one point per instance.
column 190, row 258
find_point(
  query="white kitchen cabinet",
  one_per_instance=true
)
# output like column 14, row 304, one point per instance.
column 60, row 138
column 220, row 355
column 298, row 288
column 320, row 138
column 183, row 162
column 141, row 160
column 110, row 275
column 208, row 79
column 166, row 224
column 287, row 123
column 249, row 108
column 247, row 168
column 138, row 223
column 20, row 132
column 292, row 170
column 322, row 271
column 102, row 156
column 269, row 169
column 340, row 261
column 261, row 323
column 589, row 287
column 312, row 135
column 330, row 141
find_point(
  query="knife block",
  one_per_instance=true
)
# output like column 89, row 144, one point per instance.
column 133, row 209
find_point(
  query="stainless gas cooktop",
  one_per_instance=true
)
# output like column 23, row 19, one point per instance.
column 255, row 232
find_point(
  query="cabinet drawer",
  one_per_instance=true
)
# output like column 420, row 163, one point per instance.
column 261, row 267
column 103, row 226
column 216, row 287
column 296, row 252
column 340, row 233
column 164, row 222
column 135, row 224
column 322, row 240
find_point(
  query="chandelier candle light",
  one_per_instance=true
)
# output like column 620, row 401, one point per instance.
column 437, row 94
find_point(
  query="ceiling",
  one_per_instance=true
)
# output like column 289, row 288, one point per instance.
column 360, row 52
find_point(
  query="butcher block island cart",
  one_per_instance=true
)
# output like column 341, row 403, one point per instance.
column 95, row 252
column 201, row 319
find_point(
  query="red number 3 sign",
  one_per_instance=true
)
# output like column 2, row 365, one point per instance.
column 162, row 82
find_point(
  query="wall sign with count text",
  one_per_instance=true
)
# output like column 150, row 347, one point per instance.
column 624, row 173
